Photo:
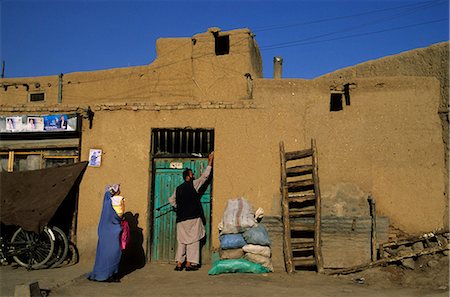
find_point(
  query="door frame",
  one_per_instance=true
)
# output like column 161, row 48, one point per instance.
column 154, row 153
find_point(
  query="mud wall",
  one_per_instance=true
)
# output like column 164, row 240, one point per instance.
column 388, row 141
column 432, row 61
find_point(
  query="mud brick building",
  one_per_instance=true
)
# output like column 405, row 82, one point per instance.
column 381, row 127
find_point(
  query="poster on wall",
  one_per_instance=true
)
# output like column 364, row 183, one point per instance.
column 95, row 157
column 55, row 122
column 35, row 124
column 38, row 123
column 13, row 124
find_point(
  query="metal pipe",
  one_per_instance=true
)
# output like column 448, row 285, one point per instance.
column 60, row 82
column 277, row 67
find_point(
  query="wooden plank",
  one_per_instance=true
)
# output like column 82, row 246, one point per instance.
column 373, row 214
column 300, row 183
column 388, row 260
column 302, row 213
column 299, row 170
column 287, row 249
column 305, row 262
column 298, row 154
column 411, row 239
column 302, row 240
column 297, row 226
column 301, row 194
column 303, row 249
column 317, row 222
column 381, row 251
column 303, row 245
column 303, row 198
column 39, row 144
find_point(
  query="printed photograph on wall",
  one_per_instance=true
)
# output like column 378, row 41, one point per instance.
column 35, row 124
column 55, row 122
column 13, row 124
column 95, row 157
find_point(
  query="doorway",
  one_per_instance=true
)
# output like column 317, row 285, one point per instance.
column 173, row 150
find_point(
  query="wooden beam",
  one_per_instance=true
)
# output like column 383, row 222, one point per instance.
column 317, row 221
column 304, row 262
column 302, row 213
column 412, row 239
column 299, row 170
column 388, row 260
column 303, row 198
column 300, row 183
column 287, row 249
column 297, row 226
column 373, row 215
column 298, row 154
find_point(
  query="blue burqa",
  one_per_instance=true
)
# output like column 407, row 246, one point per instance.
column 108, row 253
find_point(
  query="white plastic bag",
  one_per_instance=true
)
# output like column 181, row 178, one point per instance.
column 257, row 249
column 238, row 216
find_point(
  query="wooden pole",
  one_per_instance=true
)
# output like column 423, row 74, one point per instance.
column 388, row 260
column 287, row 248
column 373, row 215
column 317, row 221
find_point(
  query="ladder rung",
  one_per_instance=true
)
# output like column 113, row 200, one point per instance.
column 302, row 213
column 304, row 198
column 298, row 154
column 303, row 249
column 299, row 170
column 302, row 240
column 304, row 261
column 300, row 183
column 301, row 226
column 306, row 245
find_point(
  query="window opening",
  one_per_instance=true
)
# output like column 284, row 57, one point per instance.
column 222, row 44
column 336, row 102
column 37, row 97
column 182, row 141
column 37, row 159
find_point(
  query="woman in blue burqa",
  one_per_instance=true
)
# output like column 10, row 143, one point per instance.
column 108, row 254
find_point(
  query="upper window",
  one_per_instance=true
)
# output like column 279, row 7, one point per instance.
column 34, row 97
column 182, row 141
column 222, row 45
column 336, row 102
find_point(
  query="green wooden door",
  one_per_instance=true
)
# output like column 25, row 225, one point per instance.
column 167, row 176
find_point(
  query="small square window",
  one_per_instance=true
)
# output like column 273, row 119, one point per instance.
column 34, row 97
column 336, row 102
column 222, row 45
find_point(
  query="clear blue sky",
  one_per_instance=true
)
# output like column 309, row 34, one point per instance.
column 314, row 37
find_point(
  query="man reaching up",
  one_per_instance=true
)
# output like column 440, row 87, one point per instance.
column 190, row 229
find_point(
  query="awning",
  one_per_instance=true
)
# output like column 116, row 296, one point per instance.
column 29, row 199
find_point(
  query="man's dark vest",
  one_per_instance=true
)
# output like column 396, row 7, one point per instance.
column 188, row 202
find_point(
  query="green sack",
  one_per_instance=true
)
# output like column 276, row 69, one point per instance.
column 236, row 266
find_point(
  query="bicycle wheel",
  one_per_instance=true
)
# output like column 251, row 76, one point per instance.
column 33, row 250
column 61, row 248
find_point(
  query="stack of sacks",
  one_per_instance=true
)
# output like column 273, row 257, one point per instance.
column 237, row 218
column 241, row 235
column 257, row 249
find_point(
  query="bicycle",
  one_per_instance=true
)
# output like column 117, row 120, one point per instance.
column 28, row 249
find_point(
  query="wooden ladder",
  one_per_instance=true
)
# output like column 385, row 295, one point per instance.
column 301, row 209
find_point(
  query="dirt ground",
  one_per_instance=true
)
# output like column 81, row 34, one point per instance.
column 430, row 278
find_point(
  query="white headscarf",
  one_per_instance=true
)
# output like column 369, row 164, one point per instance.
column 114, row 188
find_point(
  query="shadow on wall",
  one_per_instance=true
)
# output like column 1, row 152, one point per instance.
column 133, row 257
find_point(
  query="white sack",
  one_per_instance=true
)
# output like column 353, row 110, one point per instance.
column 238, row 216
column 257, row 249
column 264, row 261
